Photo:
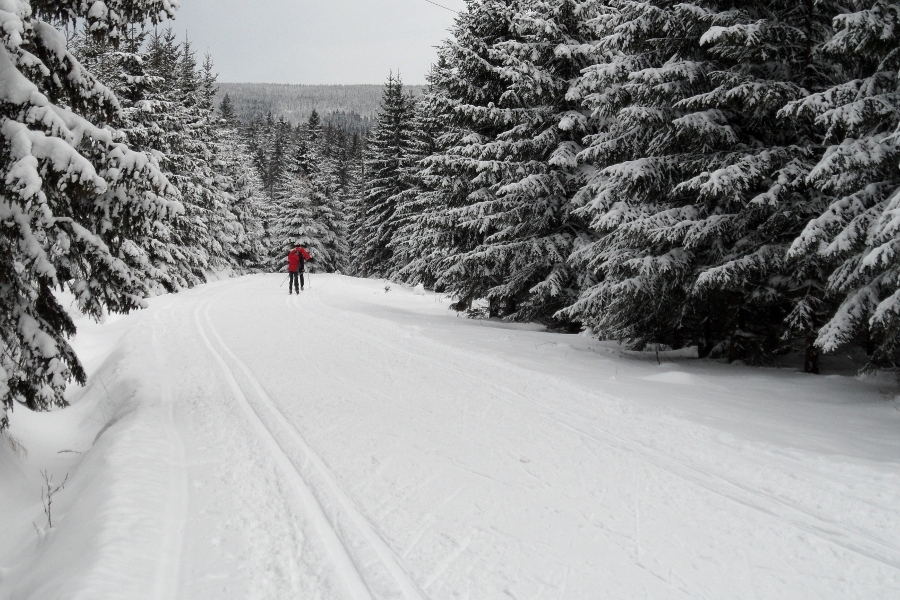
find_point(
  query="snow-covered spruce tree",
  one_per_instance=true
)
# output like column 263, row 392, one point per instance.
column 292, row 221
column 859, row 233
column 301, row 143
column 76, row 204
column 527, row 165
column 187, row 161
column 246, row 197
column 413, row 244
column 346, row 148
column 122, row 67
column 465, row 91
column 227, row 235
column 235, row 229
column 385, row 150
column 356, row 215
column 343, row 146
column 156, row 113
column 187, row 130
column 327, row 200
column 698, row 188
column 307, row 202
column 226, row 111
column 271, row 142
column 770, row 203
column 181, row 153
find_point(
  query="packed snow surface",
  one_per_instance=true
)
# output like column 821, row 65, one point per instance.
column 351, row 442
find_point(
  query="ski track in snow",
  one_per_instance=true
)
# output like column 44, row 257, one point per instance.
column 336, row 548
column 406, row 585
column 349, row 443
column 785, row 512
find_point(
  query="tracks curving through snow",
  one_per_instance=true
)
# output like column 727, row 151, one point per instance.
column 781, row 510
column 348, row 443
column 349, row 560
column 327, row 535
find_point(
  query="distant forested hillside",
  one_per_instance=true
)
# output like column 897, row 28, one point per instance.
column 296, row 102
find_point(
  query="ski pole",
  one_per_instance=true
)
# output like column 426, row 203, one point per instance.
column 285, row 279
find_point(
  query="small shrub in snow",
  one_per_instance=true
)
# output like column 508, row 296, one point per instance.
column 47, row 494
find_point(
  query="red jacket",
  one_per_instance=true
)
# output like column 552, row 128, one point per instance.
column 296, row 258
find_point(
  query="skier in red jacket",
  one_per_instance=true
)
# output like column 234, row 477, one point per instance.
column 297, row 259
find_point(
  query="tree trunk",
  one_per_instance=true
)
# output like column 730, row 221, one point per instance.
column 510, row 306
column 811, row 357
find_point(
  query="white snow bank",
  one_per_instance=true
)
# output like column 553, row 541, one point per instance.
column 448, row 457
column 679, row 377
column 112, row 448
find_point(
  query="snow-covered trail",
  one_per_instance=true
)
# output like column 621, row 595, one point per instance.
column 356, row 443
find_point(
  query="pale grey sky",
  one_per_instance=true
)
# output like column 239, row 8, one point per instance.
column 317, row 41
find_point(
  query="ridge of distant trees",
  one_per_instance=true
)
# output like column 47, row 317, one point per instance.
column 353, row 107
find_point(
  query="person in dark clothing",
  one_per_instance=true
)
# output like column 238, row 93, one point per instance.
column 297, row 259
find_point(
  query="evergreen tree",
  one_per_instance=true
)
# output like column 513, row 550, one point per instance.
column 386, row 149
column 413, row 244
column 326, row 202
column 246, row 196
column 467, row 94
column 304, row 137
column 209, row 235
column 357, row 233
column 695, row 193
column 123, row 68
column 186, row 160
column 858, row 233
column 226, row 110
column 338, row 145
column 526, row 163
column 292, row 220
column 160, row 125
column 227, row 237
column 307, row 201
column 77, row 204
column 271, row 141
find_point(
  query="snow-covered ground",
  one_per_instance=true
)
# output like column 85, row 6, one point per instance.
column 352, row 442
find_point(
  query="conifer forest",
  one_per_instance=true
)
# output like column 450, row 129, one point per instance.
column 608, row 308
column 724, row 176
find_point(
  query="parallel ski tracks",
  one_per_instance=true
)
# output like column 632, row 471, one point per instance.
column 779, row 509
column 346, row 561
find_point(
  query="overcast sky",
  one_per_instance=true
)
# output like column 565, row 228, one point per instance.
column 317, row 41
